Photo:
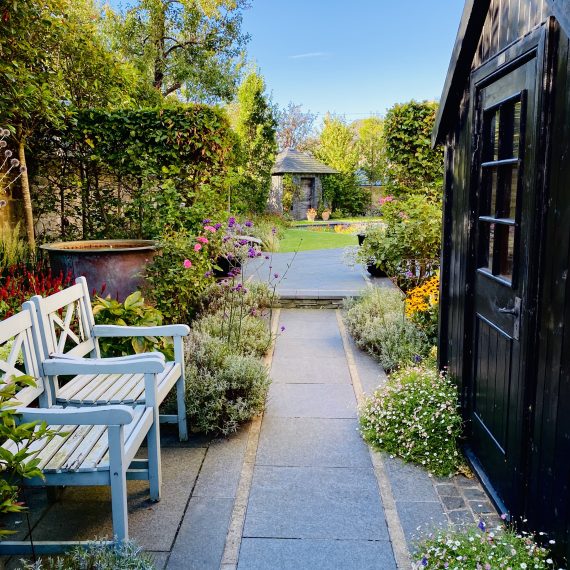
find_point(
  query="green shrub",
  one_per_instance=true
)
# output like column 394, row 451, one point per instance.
column 415, row 416
column 408, row 243
column 97, row 556
column 377, row 323
column 223, row 389
column 132, row 312
column 258, row 297
column 244, row 334
column 412, row 164
column 14, row 248
column 478, row 547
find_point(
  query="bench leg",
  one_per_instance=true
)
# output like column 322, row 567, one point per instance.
column 118, row 472
column 181, row 409
column 154, row 467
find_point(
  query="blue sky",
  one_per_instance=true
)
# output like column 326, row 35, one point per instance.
column 351, row 57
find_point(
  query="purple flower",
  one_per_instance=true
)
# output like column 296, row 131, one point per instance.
column 424, row 561
column 243, row 242
column 208, row 274
column 482, row 525
column 251, row 252
column 206, row 221
column 248, row 224
column 231, row 222
column 218, row 225
column 266, row 257
column 276, row 275
column 273, row 231
column 282, row 328
column 417, row 358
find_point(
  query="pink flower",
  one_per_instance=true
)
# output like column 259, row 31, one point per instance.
column 202, row 239
column 210, row 229
column 187, row 264
column 198, row 247
column 386, row 199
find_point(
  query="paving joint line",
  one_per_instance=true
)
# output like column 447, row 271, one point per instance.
column 235, row 530
column 395, row 531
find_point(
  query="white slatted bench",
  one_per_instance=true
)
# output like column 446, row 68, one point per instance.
column 66, row 318
column 99, row 444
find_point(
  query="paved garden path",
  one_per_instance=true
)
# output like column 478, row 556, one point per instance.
column 323, row 273
column 314, row 500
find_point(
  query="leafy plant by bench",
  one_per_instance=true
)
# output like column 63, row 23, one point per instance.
column 97, row 556
column 132, row 312
column 19, row 465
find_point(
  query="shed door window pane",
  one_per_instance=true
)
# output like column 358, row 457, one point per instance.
column 502, row 162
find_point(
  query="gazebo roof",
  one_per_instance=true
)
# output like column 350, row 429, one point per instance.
column 291, row 161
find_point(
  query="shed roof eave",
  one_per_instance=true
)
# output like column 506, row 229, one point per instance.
column 472, row 22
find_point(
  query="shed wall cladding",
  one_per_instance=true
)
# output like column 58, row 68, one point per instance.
column 547, row 493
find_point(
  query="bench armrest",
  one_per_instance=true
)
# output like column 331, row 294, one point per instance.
column 147, row 363
column 93, row 416
column 162, row 330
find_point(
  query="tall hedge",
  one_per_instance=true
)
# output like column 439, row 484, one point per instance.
column 412, row 165
column 137, row 173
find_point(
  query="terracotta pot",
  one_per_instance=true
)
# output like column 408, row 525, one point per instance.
column 118, row 264
column 311, row 218
column 325, row 216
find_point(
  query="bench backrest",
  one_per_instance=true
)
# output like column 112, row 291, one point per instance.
column 66, row 321
column 19, row 355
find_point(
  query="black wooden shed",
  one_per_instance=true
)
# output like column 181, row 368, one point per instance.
column 505, row 290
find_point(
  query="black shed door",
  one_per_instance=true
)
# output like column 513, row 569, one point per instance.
column 505, row 120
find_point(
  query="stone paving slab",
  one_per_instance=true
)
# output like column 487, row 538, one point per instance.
column 315, row 502
column 311, row 401
column 202, row 536
column 85, row 512
column 318, row 349
column 306, row 442
column 221, row 470
column 309, row 370
column 264, row 554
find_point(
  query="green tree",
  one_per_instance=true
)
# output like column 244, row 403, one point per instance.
column 255, row 126
column 31, row 84
column 412, row 165
column 337, row 147
column 194, row 47
column 371, row 148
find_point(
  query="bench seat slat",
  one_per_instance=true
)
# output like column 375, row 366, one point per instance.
column 71, row 444
column 53, row 445
column 74, row 461
column 104, row 389
column 93, row 386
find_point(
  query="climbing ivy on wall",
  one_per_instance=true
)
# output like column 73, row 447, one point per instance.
column 136, row 173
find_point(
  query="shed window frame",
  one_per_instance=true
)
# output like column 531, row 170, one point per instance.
column 497, row 168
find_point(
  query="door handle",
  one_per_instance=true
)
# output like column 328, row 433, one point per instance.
column 507, row 311
column 515, row 311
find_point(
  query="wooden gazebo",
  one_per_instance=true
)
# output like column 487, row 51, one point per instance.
column 306, row 174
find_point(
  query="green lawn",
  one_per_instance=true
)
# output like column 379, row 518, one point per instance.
column 304, row 240
column 362, row 219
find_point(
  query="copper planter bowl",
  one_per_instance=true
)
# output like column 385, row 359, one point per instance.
column 117, row 264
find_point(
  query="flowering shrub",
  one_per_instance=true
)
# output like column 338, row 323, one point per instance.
column 97, row 556
column 415, row 416
column 132, row 312
column 482, row 549
column 376, row 321
column 223, row 389
column 422, row 307
column 20, row 282
column 181, row 273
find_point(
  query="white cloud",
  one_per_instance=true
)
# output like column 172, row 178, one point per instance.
column 308, row 55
